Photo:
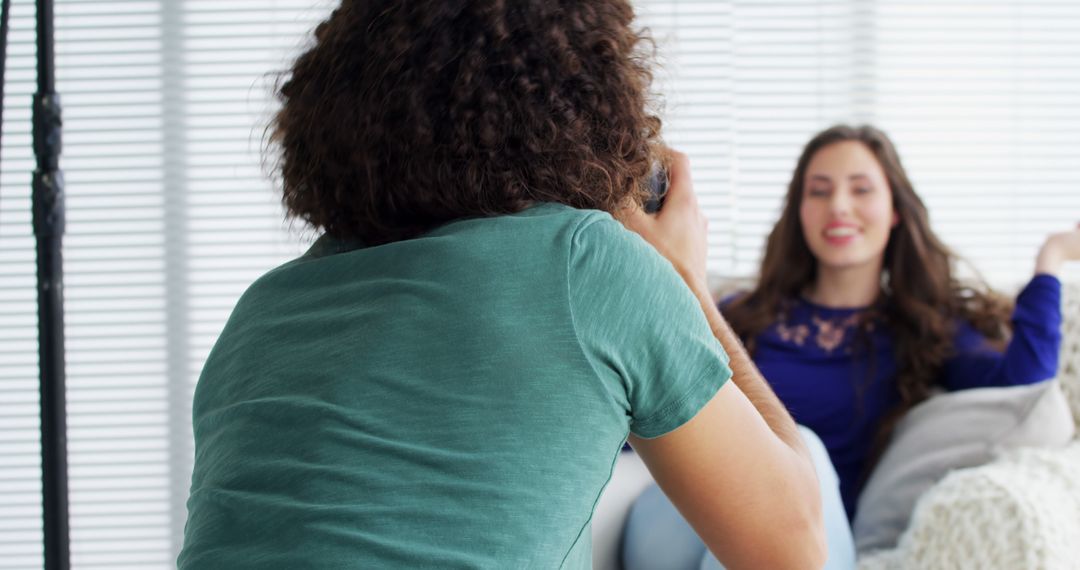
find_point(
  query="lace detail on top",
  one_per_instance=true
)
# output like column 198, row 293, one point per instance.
column 829, row 332
column 796, row 334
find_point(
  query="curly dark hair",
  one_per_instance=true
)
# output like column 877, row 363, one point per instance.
column 405, row 115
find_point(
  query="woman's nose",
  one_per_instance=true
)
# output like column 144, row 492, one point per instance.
column 840, row 202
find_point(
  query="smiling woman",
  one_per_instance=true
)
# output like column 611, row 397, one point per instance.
column 854, row 241
column 847, row 215
column 857, row 315
column 170, row 218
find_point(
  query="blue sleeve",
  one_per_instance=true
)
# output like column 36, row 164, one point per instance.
column 1032, row 353
column 728, row 300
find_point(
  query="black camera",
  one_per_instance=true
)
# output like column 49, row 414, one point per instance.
column 658, row 186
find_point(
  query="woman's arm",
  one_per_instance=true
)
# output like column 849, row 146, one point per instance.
column 679, row 233
column 738, row 471
column 1032, row 353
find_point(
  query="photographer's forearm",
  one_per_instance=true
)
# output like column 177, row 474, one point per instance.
column 746, row 376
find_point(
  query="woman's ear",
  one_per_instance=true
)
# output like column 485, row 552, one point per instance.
column 895, row 218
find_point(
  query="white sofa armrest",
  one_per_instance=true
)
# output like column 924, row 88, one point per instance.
column 628, row 480
column 1017, row 512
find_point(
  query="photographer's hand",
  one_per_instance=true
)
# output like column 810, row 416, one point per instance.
column 744, row 423
column 679, row 231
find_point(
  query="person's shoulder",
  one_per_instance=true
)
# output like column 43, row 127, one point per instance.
column 595, row 232
column 594, row 225
column 553, row 213
column 554, row 223
column 968, row 340
column 1043, row 285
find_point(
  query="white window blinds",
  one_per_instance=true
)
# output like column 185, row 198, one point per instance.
column 170, row 216
column 978, row 96
column 982, row 101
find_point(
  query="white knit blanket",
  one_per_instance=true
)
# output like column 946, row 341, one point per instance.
column 1069, row 366
column 1020, row 512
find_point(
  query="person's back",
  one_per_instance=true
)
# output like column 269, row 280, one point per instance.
column 454, row 394
column 432, row 402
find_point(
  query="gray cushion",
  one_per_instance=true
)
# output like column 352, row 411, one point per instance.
column 952, row 431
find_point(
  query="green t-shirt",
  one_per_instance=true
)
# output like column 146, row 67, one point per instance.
column 456, row 400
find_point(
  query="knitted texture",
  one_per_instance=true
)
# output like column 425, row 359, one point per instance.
column 1069, row 363
column 1020, row 512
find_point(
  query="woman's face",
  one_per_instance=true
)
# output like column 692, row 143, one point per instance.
column 846, row 211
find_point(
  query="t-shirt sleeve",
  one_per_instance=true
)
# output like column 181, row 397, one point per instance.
column 638, row 322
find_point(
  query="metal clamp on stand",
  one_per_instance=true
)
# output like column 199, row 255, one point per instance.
column 48, row 182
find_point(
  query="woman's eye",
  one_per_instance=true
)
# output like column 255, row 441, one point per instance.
column 864, row 190
column 817, row 192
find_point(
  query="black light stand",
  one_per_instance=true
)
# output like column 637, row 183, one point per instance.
column 48, row 215
column 48, row 220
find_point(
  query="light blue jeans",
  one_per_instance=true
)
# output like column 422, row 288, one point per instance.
column 656, row 536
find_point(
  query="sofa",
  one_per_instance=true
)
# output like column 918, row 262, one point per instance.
column 1016, row 509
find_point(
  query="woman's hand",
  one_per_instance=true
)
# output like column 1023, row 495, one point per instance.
column 1057, row 250
column 679, row 231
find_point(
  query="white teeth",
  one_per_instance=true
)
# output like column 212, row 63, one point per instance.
column 840, row 232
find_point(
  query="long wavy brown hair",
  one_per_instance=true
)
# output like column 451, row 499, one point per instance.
column 921, row 299
column 404, row 115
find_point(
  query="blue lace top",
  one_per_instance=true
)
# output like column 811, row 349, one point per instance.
column 818, row 364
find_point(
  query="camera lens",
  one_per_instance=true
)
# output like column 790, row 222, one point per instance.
column 658, row 184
